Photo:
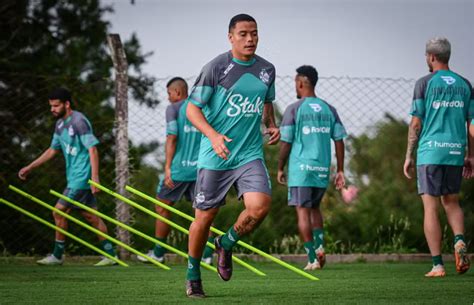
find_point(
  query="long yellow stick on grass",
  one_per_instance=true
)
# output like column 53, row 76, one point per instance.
column 127, row 227
column 170, row 223
column 86, row 226
column 62, row 231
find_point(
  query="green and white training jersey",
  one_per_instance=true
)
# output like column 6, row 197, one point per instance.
column 74, row 137
column 444, row 101
column 231, row 94
column 184, row 163
column 309, row 125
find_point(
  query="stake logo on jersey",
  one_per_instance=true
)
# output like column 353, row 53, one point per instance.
column 232, row 94
column 443, row 100
column 74, row 137
column 309, row 125
column 240, row 105
column 184, row 164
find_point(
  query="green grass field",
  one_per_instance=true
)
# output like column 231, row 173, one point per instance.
column 361, row 283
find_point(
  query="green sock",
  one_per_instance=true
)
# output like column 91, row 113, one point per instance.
column 309, row 248
column 318, row 237
column 437, row 260
column 194, row 270
column 458, row 238
column 58, row 249
column 159, row 251
column 108, row 247
column 229, row 239
column 208, row 250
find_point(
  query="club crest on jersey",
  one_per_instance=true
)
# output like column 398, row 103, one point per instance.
column 316, row 107
column 200, row 198
column 264, row 76
column 71, row 131
column 448, row 79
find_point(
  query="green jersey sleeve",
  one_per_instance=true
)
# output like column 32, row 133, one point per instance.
column 287, row 127
column 471, row 105
column 418, row 104
column 204, row 86
column 55, row 143
column 172, row 120
column 338, row 132
column 270, row 93
column 84, row 130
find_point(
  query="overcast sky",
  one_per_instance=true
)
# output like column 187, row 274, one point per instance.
column 369, row 38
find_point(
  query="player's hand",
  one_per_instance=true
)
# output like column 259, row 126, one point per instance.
column 468, row 168
column 24, row 172
column 408, row 167
column 281, row 177
column 94, row 189
column 339, row 180
column 218, row 144
column 168, row 181
column 274, row 133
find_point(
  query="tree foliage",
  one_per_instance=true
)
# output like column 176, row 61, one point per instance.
column 45, row 44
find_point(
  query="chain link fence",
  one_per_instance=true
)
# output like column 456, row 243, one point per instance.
column 361, row 103
column 26, row 132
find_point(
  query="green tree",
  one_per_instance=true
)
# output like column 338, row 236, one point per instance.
column 45, row 44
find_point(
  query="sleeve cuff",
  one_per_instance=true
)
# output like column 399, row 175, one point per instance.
column 196, row 103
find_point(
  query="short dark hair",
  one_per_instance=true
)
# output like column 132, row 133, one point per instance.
column 61, row 94
column 239, row 18
column 309, row 72
column 176, row 79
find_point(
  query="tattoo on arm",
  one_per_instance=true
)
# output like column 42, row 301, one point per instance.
column 413, row 136
column 268, row 117
column 247, row 225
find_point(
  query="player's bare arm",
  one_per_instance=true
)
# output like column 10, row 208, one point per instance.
column 414, row 131
column 339, row 180
column 269, row 121
column 45, row 157
column 469, row 160
column 218, row 140
column 285, row 149
column 94, row 158
column 170, row 149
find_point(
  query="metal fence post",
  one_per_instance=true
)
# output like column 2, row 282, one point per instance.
column 122, row 211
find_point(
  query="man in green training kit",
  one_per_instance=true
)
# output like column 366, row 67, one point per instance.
column 181, row 150
column 442, row 110
column 306, row 132
column 227, row 103
column 73, row 136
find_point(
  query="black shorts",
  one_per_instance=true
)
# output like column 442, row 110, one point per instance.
column 439, row 180
column 212, row 186
column 306, row 197
column 83, row 196
column 181, row 188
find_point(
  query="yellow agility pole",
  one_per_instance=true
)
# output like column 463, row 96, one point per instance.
column 170, row 223
column 217, row 231
column 88, row 227
column 126, row 227
column 62, row 231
